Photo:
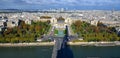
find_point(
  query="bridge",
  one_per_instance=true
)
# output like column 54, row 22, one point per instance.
column 61, row 49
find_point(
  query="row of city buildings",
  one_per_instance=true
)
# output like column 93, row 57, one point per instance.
column 60, row 20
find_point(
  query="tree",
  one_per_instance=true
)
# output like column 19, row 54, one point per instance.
column 94, row 33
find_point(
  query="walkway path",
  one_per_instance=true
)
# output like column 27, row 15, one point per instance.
column 61, row 49
column 57, row 46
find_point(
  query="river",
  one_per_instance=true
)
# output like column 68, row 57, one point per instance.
column 46, row 52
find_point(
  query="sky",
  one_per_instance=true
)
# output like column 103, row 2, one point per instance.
column 55, row 4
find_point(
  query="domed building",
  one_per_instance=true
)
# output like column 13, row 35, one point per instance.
column 60, row 22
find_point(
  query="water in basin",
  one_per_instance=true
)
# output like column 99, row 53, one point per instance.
column 60, row 33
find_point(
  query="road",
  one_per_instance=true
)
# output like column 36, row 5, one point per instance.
column 61, row 48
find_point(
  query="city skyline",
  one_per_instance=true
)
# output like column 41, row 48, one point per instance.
column 55, row 4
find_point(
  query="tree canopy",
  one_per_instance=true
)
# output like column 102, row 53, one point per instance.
column 94, row 33
column 25, row 32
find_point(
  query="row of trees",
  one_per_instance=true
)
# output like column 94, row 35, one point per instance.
column 45, row 17
column 25, row 32
column 95, row 33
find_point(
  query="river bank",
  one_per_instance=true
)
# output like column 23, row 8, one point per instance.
column 26, row 44
column 95, row 43
column 52, row 43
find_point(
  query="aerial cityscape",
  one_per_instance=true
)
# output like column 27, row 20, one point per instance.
column 59, row 29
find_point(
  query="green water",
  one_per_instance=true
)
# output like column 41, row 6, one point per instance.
column 60, row 33
column 46, row 52
column 26, row 52
column 96, row 52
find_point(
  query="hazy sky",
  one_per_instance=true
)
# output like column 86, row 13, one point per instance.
column 70, row 4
